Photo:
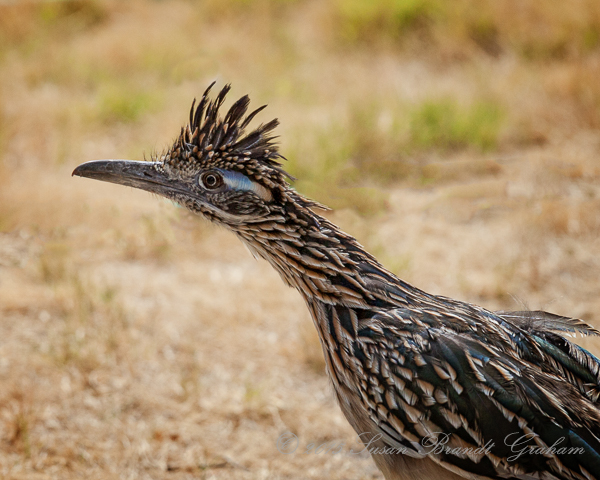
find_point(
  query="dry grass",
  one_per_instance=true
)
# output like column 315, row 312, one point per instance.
column 460, row 145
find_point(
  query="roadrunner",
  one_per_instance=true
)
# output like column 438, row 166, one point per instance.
column 437, row 388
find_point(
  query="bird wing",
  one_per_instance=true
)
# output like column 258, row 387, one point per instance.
column 471, row 399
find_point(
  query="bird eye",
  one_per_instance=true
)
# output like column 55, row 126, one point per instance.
column 211, row 180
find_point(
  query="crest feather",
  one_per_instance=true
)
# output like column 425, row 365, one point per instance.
column 209, row 135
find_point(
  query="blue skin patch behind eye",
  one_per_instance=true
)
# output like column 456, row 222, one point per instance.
column 239, row 181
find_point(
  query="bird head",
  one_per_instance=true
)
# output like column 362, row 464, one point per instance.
column 213, row 168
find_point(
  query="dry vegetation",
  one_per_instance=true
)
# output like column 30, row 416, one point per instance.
column 459, row 141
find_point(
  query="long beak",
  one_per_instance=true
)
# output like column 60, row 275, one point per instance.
column 142, row 175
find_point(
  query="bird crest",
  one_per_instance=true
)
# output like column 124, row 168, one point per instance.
column 211, row 141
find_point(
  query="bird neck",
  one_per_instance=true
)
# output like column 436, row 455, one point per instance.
column 324, row 263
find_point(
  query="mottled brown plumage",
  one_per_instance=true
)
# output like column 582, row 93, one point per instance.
column 454, row 389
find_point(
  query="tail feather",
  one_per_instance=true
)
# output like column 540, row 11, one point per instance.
column 574, row 363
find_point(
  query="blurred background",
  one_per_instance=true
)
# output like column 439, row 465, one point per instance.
column 458, row 141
